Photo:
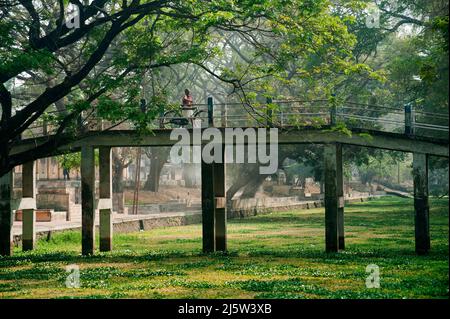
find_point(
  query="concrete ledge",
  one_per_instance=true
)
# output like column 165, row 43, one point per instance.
column 104, row 203
column 26, row 203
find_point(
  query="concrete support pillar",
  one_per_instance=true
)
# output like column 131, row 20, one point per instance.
column 421, row 206
column 28, row 206
column 105, row 201
column 208, row 216
column 214, row 214
column 341, row 197
column 6, row 215
column 28, row 229
column 87, row 200
column 334, row 199
column 220, row 212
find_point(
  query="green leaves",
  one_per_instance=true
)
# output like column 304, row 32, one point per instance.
column 342, row 128
column 69, row 161
column 282, row 47
column 13, row 60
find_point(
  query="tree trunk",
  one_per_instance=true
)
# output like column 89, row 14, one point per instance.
column 252, row 187
column 118, row 165
column 6, row 105
column 234, row 188
column 117, row 178
column 189, row 175
column 302, row 182
column 244, row 176
column 4, row 159
column 157, row 161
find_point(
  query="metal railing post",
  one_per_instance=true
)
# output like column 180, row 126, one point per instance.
column 409, row 119
column 161, row 118
column 333, row 111
column 210, row 112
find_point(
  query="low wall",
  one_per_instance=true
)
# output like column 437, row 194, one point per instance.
column 142, row 224
column 243, row 208
column 148, row 209
column 122, row 226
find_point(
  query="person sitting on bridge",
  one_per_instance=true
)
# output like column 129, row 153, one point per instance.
column 187, row 109
column 188, row 101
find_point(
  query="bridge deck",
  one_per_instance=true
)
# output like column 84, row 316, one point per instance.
column 286, row 135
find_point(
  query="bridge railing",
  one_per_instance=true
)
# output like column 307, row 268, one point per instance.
column 272, row 113
column 283, row 113
column 389, row 119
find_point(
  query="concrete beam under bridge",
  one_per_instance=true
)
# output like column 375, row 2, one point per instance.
column 160, row 137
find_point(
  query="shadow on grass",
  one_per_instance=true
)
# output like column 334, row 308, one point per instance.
column 351, row 255
column 123, row 269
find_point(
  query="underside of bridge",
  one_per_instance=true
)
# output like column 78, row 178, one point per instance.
column 214, row 213
column 286, row 136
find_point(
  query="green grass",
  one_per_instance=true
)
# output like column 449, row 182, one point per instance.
column 279, row 255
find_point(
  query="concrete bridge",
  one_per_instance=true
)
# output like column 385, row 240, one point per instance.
column 214, row 215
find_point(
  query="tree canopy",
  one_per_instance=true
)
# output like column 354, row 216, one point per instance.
column 52, row 69
column 47, row 63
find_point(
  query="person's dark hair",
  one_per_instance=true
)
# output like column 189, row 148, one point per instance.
column 187, row 92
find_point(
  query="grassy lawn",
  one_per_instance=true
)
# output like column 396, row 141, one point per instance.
column 280, row 255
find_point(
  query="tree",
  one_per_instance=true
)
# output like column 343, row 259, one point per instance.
column 69, row 161
column 119, row 41
column 121, row 159
column 409, row 48
column 158, row 157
